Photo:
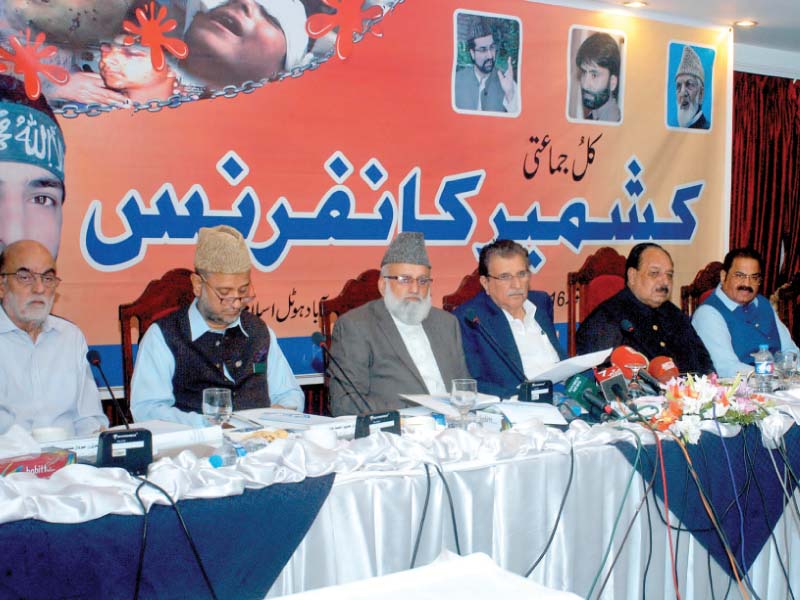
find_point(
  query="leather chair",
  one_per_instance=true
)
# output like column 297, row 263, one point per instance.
column 468, row 288
column 355, row 292
column 160, row 298
column 702, row 286
column 601, row 276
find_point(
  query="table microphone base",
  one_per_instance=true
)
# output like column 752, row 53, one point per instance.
column 378, row 421
column 129, row 449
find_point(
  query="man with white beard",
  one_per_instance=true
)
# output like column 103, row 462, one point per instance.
column 46, row 379
column 689, row 90
column 399, row 344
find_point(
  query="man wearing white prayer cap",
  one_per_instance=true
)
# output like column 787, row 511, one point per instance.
column 212, row 343
column 690, row 81
column 243, row 40
column 399, row 344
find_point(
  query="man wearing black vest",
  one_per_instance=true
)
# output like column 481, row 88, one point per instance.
column 214, row 342
column 735, row 319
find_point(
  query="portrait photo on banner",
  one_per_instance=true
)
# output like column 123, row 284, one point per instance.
column 689, row 86
column 595, row 75
column 486, row 64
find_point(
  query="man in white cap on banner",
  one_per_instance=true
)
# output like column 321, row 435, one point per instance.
column 690, row 81
column 243, row 40
column 397, row 345
column 214, row 342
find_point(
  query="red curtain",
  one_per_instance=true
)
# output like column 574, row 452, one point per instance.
column 765, row 186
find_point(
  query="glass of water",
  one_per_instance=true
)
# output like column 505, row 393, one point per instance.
column 217, row 405
column 463, row 396
column 786, row 365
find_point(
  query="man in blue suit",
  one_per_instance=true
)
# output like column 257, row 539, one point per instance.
column 507, row 330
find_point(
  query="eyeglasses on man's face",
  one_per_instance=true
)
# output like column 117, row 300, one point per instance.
column 754, row 277
column 406, row 280
column 230, row 300
column 27, row 278
column 508, row 277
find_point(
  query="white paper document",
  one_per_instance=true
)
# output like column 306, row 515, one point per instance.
column 572, row 366
column 441, row 403
column 519, row 412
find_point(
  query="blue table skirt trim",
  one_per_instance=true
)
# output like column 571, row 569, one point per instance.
column 244, row 542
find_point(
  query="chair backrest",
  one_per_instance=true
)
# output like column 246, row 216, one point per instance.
column 355, row 292
column 787, row 297
column 601, row 276
column 702, row 286
column 160, row 298
column 468, row 288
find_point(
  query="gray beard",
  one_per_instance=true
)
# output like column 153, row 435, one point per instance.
column 407, row 311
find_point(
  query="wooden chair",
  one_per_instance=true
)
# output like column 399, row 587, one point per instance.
column 468, row 288
column 601, row 276
column 786, row 304
column 355, row 292
column 702, row 286
column 160, row 298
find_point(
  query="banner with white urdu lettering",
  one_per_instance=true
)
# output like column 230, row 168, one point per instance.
column 322, row 128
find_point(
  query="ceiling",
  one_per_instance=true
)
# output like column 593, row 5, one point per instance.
column 779, row 20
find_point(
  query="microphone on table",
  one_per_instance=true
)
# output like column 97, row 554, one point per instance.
column 663, row 368
column 93, row 356
column 368, row 421
column 598, row 407
column 131, row 449
column 613, row 387
column 526, row 388
column 623, row 356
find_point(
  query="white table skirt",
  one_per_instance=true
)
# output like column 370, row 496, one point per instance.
column 506, row 509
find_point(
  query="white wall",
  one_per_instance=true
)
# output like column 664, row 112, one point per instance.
column 766, row 61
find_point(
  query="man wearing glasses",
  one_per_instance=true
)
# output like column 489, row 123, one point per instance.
column 214, row 342
column 641, row 315
column 735, row 319
column 507, row 329
column 397, row 345
column 45, row 380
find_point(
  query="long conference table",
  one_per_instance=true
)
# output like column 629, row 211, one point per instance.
column 507, row 490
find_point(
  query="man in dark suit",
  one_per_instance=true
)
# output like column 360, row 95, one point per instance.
column 507, row 330
column 399, row 344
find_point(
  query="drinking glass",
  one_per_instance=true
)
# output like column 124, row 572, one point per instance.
column 786, row 365
column 635, row 389
column 464, row 395
column 217, row 405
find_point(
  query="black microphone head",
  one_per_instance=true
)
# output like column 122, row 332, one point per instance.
column 317, row 338
column 627, row 326
column 93, row 356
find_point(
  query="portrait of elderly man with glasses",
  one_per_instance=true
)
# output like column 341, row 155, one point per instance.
column 212, row 343
column 399, row 344
column 735, row 319
column 45, row 380
column 516, row 333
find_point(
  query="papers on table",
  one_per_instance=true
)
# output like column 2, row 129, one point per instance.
column 291, row 420
column 515, row 412
column 572, row 366
column 441, row 403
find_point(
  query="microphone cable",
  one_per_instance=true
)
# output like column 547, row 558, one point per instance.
column 646, row 489
column 785, row 479
column 616, row 521
column 452, row 507
column 751, row 463
column 188, row 535
column 558, row 515
column 422, row 518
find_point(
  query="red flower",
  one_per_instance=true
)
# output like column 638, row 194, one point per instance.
column 349, row 19
column 150, row 32
column 26, row 61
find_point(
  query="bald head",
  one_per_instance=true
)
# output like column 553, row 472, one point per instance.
column 27, row 301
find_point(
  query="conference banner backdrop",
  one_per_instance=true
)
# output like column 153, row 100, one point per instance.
column 322, row 128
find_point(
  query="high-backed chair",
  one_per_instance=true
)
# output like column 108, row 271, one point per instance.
column 786, row 300
column 601, row 276
column 468, row 288
column 702, row 286
column 160, row 298
column 355, row 292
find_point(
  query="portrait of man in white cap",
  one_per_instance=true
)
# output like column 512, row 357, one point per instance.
column 399, row 344
column 212, row 343
column 690, row 89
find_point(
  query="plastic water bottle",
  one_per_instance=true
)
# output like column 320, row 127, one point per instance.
column 227, row 454
column 765, row 368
